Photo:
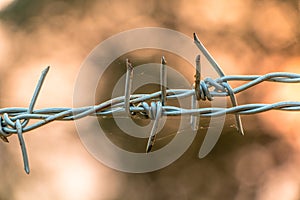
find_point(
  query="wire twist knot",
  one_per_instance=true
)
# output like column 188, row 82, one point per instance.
column 149, row 111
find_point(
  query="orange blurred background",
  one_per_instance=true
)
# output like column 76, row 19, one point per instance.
column 245, row 37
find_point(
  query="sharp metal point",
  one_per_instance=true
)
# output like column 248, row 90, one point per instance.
column 23, row 146
column 153, row 133
column 163, row 60
column 128, row 85
column 163, row 81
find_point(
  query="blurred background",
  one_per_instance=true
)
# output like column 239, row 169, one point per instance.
column 245, row 37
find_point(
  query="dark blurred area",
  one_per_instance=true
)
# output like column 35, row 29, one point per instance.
column 245, row 37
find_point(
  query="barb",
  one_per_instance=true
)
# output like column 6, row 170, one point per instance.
column 23, row 146
column 163, row 80
column 128, row 83
column 156, row 108
column 153, row 106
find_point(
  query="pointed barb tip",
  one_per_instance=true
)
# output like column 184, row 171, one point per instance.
column 45, row 71
column 27, row 170
column 196, row 39
column 148, row 149
column 128, row 64
column 163, row 60
column 242, row 132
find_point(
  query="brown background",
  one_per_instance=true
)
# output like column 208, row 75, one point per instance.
column 245, row 37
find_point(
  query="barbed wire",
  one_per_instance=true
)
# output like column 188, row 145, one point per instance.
column 15, row 120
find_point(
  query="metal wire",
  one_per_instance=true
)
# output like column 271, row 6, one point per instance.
column 16, row 120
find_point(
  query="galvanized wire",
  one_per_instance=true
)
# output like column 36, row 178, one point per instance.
column 117, row 105
column 154, row 106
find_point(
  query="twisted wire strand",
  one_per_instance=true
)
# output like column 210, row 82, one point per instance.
column 16, row 120
column 117, row 105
